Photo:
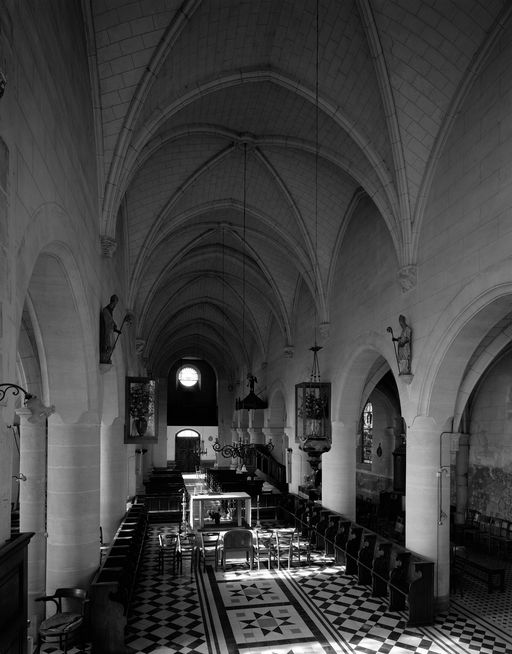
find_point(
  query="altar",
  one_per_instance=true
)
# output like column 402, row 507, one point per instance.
column 199, row 504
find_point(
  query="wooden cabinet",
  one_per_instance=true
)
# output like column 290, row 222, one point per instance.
column 13, row 595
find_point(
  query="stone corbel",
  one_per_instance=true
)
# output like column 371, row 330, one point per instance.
column 324, row 329
column 288, row 352
column 108, row 246
column 39, row 412
column 407, row 277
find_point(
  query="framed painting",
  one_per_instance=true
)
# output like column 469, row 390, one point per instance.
column 141, row 410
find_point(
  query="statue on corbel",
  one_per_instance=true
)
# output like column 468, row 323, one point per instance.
column 403, row 346
column 109, row 331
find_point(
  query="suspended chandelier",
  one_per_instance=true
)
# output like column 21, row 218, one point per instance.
column 250, row 401
column 312, row 398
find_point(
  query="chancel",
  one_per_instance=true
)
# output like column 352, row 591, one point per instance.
column 203, row 204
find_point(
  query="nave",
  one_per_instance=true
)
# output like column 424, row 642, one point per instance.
column 310, row 610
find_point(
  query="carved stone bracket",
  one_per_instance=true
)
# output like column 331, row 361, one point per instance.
column 407, row 277
column 108, row 246
column 38, row 410
column 406, row 378
column 288, row 352
column 324, row 329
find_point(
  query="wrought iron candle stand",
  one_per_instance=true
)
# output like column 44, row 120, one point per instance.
column 244, row 452
column 16, row 390
column 184, row 523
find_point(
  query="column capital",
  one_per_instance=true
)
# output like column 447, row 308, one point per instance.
column 35, row 410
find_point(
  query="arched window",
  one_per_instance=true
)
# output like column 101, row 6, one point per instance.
column 188, row 377
column 367, row 433
column 187, row 433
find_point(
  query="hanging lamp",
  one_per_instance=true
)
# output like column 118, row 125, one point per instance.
column 250, row 401
column 312, row 398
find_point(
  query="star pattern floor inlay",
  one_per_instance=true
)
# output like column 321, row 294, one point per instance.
column 314, row 609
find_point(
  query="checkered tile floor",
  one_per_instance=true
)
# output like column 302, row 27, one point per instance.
column 311, row 610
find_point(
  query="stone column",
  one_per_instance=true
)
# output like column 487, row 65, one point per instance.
column 73, row 501
column 339, row 471
column 33, row 419
column 6, row 445
column 131, row 475
column 299, row 463
column 427, row 500
column 114, row 482
column 141, row 453
column 158, row 456
column 278, row 436
column 255, row 429
column 461, row 472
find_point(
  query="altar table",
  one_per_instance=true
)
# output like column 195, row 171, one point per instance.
column 197, row 502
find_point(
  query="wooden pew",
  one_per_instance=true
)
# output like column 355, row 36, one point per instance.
column 113, row 584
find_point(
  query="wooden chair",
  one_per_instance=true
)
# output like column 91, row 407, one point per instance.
column 167, row 549
column 265, row 548
column 209, row 548
column 500, row 536
column 457, row 567
column 66, row 625
column 187, row 550
column 290, row 545
column 238, row 542
column 483, row 535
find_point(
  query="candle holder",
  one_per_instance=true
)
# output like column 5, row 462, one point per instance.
column 184, row 523
column 258, row 523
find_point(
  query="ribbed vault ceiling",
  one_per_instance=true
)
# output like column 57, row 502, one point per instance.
column 188, row 91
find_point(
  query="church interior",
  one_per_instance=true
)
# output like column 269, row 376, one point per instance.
column 255, row 286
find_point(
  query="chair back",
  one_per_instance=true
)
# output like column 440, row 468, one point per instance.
column 168, row 541
column 238, row 539
column 265, row 539
column 75, row 596
column 187, row 542
column 210, row 539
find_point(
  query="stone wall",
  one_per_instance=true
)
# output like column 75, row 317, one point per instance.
column 490, row 453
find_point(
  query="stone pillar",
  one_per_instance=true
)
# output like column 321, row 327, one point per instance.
column 255, row 429
column 33, row 419
column 256, row 435
column 427, row 500
column 158, row 456
column 141, row 453
column 339, row 471
column 280, row 440
column 299, row 464
column 461, row 472
column 6, row 445
column 113, row 481
column 73, row 501
column 131, row 464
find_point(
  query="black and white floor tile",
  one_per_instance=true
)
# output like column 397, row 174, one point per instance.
column 313, row 609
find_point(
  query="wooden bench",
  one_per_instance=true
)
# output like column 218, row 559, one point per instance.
column 113, row 584
column 481, row 566
column 392, row 571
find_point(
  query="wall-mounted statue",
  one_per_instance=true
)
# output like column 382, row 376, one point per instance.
column 108, row 329
column 403, row 347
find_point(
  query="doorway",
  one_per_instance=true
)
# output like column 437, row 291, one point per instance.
column 187, row 450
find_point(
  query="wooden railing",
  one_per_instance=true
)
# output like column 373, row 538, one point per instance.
column 273, row 471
